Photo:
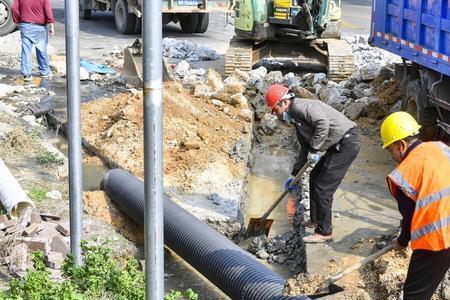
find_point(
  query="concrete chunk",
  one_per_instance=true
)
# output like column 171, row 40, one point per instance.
column 59, row 245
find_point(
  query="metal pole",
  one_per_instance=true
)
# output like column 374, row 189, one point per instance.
column 153, row 150
column 74, row 128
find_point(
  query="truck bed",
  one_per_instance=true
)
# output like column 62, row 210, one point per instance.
column 417, row 30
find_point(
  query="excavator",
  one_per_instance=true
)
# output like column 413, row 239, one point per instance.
column 304, row 34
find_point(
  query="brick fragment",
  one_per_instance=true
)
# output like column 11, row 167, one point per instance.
column 31, row 230
column 35, row 243
column 9, row 224
column 59, row 245
column 3, row 219
column 64, row 228
column 35, row 217
column 54, row 260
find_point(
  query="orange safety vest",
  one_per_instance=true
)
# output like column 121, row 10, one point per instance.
column 424, row 176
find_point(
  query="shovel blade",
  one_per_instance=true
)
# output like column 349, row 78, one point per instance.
column 258, row 226
column 328, row 290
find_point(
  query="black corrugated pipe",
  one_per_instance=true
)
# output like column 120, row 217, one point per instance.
column 227, row 266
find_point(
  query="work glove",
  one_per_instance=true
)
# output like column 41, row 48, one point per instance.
column 291, row 188
column 314, row 157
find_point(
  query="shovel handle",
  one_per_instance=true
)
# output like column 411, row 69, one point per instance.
column 280, row 198
column 358, row 265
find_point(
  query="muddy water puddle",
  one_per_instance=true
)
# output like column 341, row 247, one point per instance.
column 270, row 169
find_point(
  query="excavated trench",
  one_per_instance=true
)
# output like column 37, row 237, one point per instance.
column 264, row 183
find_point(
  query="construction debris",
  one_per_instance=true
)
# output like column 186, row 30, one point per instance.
column 188, row 51
column 19, row 238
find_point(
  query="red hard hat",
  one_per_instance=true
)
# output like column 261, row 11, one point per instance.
column 274, row 94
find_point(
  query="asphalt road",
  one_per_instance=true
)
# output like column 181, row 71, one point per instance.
column 98, row 35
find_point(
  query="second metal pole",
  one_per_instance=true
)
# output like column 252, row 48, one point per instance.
column 153, row 150
column 74, row 128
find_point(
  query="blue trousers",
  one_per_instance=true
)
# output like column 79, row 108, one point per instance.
column 37, row 36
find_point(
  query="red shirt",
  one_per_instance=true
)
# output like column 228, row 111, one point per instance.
column 33, row 11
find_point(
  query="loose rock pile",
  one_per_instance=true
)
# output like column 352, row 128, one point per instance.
column 33, row 231
column 186, row 50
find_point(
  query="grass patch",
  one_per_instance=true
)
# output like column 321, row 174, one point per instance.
column 45, row 157
column 37, row 194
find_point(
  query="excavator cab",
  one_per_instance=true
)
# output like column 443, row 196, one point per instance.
column 305, row 33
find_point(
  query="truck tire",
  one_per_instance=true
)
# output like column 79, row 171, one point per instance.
column 189, row 23
column 125, row 22
column 203, row 22
column 413, row 103
column 7, row 24
column 85, row 14
column 138, row 26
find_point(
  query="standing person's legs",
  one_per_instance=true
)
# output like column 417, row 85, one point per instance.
column 41, row 51
column 313, row 197
column 425, row 273
column 334, row 167
column 26, row 63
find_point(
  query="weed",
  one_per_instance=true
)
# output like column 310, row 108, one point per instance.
column 189, row 294
column 100, row 277
column 48, row 158
column 37, row 194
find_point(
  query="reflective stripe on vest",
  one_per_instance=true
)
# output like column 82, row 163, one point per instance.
column 424, row 177
column 444, row 148
column 403, row 184
column 430, row 228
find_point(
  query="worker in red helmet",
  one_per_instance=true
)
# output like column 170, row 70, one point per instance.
column 329, row 140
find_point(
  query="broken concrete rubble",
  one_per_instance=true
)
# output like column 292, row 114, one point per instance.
column 188, row 51
column 29, row 235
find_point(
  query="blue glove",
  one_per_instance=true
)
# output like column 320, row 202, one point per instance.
column 314, row 157
column 291, row 188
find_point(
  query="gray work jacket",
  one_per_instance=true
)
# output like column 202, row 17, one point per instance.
column 318, row 125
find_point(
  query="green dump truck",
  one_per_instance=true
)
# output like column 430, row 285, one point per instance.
column 193, row 15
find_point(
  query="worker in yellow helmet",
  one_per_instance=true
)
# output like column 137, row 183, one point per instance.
column 421, row 185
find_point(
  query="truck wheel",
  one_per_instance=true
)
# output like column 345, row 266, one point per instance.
column 203, row 22
column 413, row 103
column 7, row 24
column 125, row 22
column 85, row 14
column 138, row 26
column 189, row 23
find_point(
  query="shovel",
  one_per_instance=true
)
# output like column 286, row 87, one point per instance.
column 328, row 287
column 257, row 226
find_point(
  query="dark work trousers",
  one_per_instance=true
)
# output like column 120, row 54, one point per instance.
column 326, row 177
column 425, row 273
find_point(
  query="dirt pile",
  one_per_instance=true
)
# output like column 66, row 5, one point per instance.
column 303, row 284
column 196, row 134
column 381, row 280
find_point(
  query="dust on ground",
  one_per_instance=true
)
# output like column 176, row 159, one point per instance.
column 303, row 284
column 99, row 205
column 196, row 134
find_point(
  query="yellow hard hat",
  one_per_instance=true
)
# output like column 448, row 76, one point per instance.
column 398, row 126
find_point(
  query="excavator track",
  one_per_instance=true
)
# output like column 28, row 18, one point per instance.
column 239, row 56
column 341, row 62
